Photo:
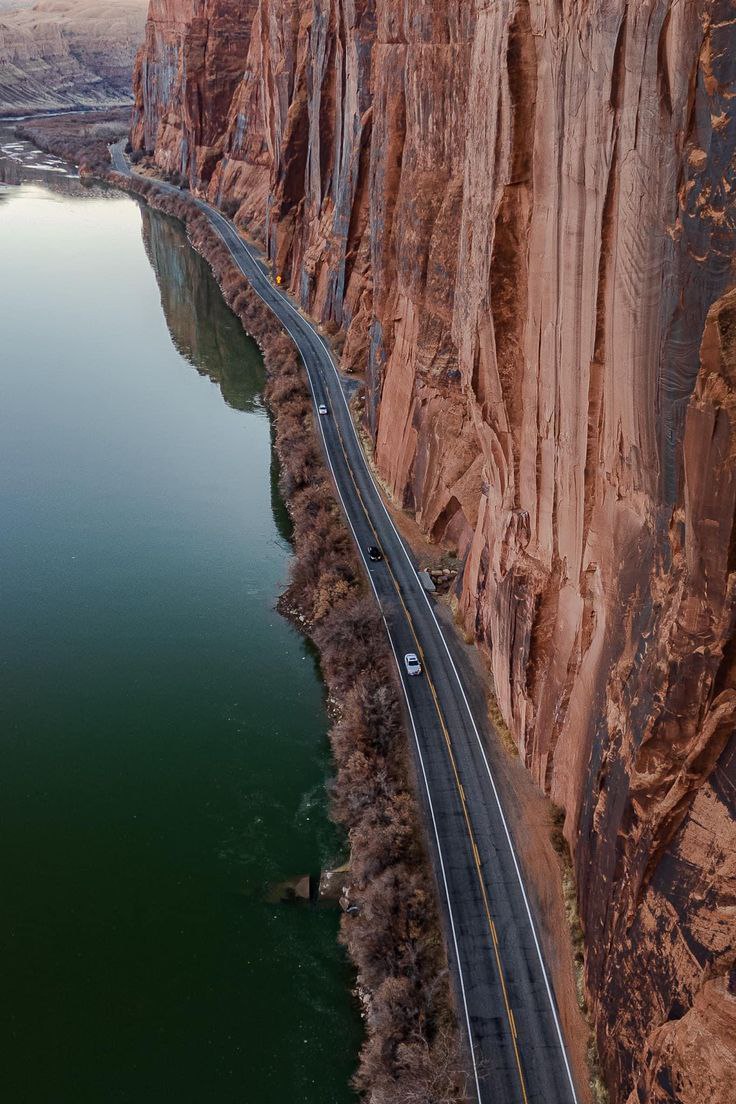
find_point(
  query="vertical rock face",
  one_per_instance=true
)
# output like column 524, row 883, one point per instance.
column 185, row 76
column 522, row 214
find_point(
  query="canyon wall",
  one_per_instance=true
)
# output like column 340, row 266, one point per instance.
column 519, row 217
column 58, row 54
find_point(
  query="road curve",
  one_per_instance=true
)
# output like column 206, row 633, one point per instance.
column 504, row 994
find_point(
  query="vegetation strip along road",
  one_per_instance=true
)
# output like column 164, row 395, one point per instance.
column 507, row 1003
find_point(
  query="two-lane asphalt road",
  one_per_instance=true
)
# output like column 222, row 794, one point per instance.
column 505, row 999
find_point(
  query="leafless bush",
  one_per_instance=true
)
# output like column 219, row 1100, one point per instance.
column 80, row 139
column 412, row 1053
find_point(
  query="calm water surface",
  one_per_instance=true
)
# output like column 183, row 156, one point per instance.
column 164, row 752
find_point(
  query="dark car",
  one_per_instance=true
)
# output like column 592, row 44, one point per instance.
column 374, row 553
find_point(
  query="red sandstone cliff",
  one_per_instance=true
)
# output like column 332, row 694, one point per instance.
column 523, row 215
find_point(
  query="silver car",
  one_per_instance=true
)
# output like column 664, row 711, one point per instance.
column 321, row 409
column 412, row 664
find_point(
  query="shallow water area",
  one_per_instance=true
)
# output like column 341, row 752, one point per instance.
column 21, row 161
column 164, row 735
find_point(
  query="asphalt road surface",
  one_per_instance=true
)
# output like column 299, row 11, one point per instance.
column 504, row 994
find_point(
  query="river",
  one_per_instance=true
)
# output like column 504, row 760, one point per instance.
column 164, row 729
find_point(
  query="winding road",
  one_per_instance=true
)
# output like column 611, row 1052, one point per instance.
column 504, row 993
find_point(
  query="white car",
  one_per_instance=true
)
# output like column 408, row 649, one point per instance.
column 321, row 409
column 412, row 664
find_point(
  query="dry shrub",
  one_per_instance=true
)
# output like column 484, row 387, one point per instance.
column 412, row 1053
column 81, row 139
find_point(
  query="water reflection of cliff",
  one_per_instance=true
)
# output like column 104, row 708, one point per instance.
column 202, row 327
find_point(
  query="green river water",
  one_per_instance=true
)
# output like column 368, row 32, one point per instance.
column 164, row 749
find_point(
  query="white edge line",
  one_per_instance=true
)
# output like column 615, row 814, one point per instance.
column 442, row 863
column 527, row 906
column 475, row 729
column 401, row 677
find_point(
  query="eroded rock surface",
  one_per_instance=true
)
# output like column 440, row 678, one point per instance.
column 57, row 54
column 522, row 216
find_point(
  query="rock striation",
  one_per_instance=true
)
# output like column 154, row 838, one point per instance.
column 59, row 54
column 520, row 216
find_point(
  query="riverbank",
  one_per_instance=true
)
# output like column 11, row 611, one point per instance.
column 166, row 754
column 80, row 137
column 392, row 929
column 393, row 935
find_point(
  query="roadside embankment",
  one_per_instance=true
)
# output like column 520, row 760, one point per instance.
column 392, row 930
column 412, row 1050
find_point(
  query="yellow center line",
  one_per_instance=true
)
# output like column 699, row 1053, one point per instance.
column 458, row 784
column 476, row 856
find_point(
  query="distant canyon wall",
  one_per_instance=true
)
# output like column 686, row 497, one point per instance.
column 521, row 214
column 58, row 54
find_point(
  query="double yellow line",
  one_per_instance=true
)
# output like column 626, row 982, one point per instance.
column 448, row 742
column 458, row 784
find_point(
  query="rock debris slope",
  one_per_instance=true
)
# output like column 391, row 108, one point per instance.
column 67, row 53
column 522, row 214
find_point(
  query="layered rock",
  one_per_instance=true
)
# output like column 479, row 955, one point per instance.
column 522, row 215
column 59, row 54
